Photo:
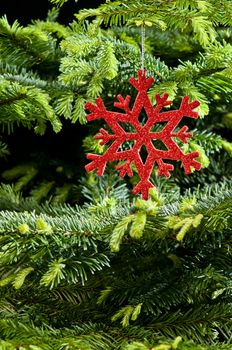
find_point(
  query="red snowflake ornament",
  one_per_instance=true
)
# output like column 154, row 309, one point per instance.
column 143, row 135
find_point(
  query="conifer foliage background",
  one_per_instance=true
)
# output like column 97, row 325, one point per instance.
column 83, row 264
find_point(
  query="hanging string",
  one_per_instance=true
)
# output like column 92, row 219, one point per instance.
column 142, row 44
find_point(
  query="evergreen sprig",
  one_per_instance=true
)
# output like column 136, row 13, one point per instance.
column 83, row 264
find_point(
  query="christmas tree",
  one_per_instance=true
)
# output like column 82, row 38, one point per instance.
column 84, row 263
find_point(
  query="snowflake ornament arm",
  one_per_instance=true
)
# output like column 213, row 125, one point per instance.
column 143, row 135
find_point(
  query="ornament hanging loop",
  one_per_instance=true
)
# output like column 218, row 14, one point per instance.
column 142, row 44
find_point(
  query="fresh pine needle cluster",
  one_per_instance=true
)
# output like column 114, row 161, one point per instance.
column 159, row 268
column 83, row 264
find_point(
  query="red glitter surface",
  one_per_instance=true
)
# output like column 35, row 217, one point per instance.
column 143, row 135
